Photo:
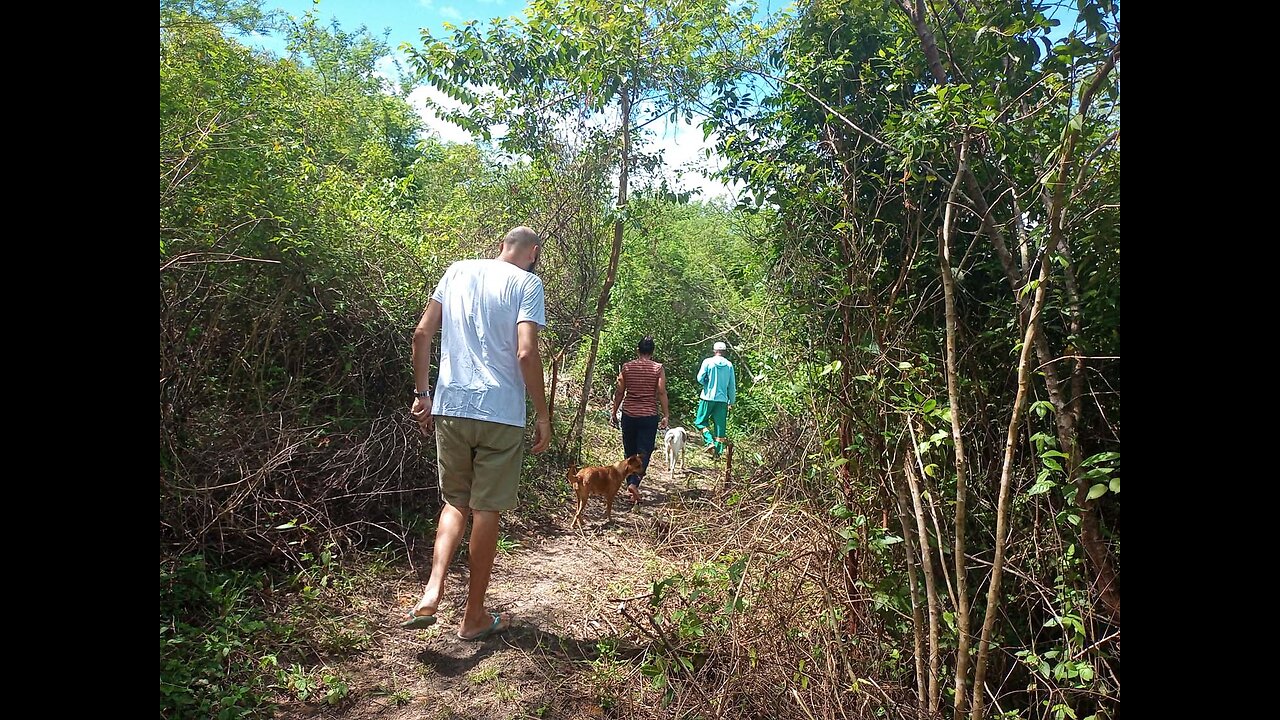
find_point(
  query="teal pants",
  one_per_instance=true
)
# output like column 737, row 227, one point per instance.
column 712, row 412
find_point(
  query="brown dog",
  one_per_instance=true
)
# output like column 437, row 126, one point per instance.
column 601, row 480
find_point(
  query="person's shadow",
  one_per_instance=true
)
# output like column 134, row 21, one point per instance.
column 528, row 638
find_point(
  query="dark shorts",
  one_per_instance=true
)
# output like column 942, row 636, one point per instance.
column 639, row 435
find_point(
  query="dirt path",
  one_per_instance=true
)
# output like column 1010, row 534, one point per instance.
column 557, row 582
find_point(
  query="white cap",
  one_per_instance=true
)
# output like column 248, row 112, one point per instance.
column 719, row 346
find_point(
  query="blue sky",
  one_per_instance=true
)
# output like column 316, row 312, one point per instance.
column 682, row 144
column 404, row 18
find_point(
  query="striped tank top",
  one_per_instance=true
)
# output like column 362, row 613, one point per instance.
column 641, row 379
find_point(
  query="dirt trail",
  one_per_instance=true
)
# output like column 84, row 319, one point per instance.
column 557, row 582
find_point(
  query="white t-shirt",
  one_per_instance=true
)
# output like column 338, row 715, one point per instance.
column 482, row 301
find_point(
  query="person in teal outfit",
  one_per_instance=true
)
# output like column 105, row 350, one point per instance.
column 719, row 390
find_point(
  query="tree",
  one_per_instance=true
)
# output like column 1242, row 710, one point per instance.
column 962, row 122
column 632, row 62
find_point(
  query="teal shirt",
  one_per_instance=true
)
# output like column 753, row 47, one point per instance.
column 717, row 380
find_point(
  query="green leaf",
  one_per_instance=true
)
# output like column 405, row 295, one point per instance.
column 1041, row 407
column 1097, row 491
column 1115, row 485
column 1101, row 457
column 1042, row 485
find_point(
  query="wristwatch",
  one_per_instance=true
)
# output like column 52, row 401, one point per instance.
column 422, row 393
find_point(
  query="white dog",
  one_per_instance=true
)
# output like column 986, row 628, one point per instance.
column 673, row 449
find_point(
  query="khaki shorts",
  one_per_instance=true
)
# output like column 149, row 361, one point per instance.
column 479, row 462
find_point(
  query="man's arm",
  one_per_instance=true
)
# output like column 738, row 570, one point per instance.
column 531, row 368
column 423, row 338
column 619, row 389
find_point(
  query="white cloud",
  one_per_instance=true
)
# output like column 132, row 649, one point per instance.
column 689, row 160
column 384, row 68
column 451, row 12
column 427, row 3
column 423, row 99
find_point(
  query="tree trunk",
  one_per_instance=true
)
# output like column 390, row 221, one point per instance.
column 930, row 585
column 1065, row 393
column 1068, row 414
column 1002, row 504
column 603, row 303
column 915, row 11
column 728, row 467
column 917, row 603
column 555, row 375
column 962, row 464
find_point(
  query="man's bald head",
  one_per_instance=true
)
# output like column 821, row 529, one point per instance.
column 521, row 237
column 521, row 247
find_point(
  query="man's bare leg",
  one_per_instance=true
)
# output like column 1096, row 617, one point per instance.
column 448, row 534
column 482, row 549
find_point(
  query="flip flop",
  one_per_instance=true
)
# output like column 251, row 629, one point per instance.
column 416, row 622
column 491, row 630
